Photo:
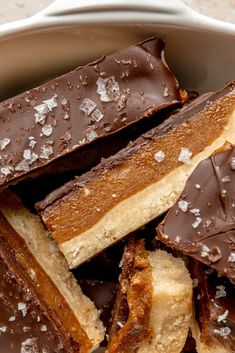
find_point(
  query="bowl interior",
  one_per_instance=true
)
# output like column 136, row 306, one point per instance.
column 201, row 60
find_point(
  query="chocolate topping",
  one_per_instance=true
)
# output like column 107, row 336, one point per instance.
column 202, row 222
column 214, row 305
column 25, row 322
column 84, row 105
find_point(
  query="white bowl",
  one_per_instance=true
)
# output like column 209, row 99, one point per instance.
column 200, row 50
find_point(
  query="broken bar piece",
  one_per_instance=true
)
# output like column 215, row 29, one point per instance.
column 202, row 223
column 141, row 181
column 214, row 324
column 91, row 102
column 47, row 311
column 153, row 307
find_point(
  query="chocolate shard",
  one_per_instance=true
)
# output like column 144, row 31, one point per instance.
column 141, row 181
column 42, row 306
column 202, row 223
column 91, row 102
column 150, row 297
column 214, row 324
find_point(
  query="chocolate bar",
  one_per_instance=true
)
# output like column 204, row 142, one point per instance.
column 141, row 181
column 214, row 328
column 150, row 297
column 91, row 102
column 202, row 223
column 47, row 311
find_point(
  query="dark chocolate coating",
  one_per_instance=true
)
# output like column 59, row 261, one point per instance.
column 206, row 231
column 213, row 297
column 45, row 123
column 24, row 321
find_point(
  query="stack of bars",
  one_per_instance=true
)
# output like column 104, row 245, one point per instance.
column 89, row 165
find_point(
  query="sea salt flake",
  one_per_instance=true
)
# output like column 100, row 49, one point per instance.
column 23, row 308
column 195, row 211
column 197, row 222
column 51, row 103
column 29, row 346
column 23, row 166
column 231, row 257
column 159, row 156
column 12, row 318
column 40, row 118
column 4, row 142
column 97, row 115
column 108, row 89
column 46, row 152
column 220, row 292
column 223, row 331
column 7, row 170
column 183, row 205
column 3, row 328
column 41, row 109
column 32, row 141
column 197, row 186
column 185, row 156
column 223, row 316
column 232, row 163
column 43, row 328
column 27, row 154
column 205, row 251
column 87, row 106
column 47, row 130
column 91, row 135
column 226, row 179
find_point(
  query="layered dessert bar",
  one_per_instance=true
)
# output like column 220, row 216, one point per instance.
column 42, row 306
column 81, row 107
column 153, row 307
column 141, row 181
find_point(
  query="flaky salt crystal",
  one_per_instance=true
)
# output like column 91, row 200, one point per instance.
column 108, row 89
column 47, row 130
column 91, row 135
column 185, row 155
column 23, row 308
column 223, row 316
column 231, row 257
column 23, row 166
column 97, row 115
column 40, row 118
column 7, row 170
column 220, row 292
column 4, row 142
column 51, row 103
column 87, row 106
column 46, row 152
column 205, row 251
column 183, row 205
column 29, row 346
column 223, row 331
column 159, row 156
column 41, row 109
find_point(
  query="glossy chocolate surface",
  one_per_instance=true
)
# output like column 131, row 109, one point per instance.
column 214, row 302
column 40, row 125
column 202, row 222
column 24, row 323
